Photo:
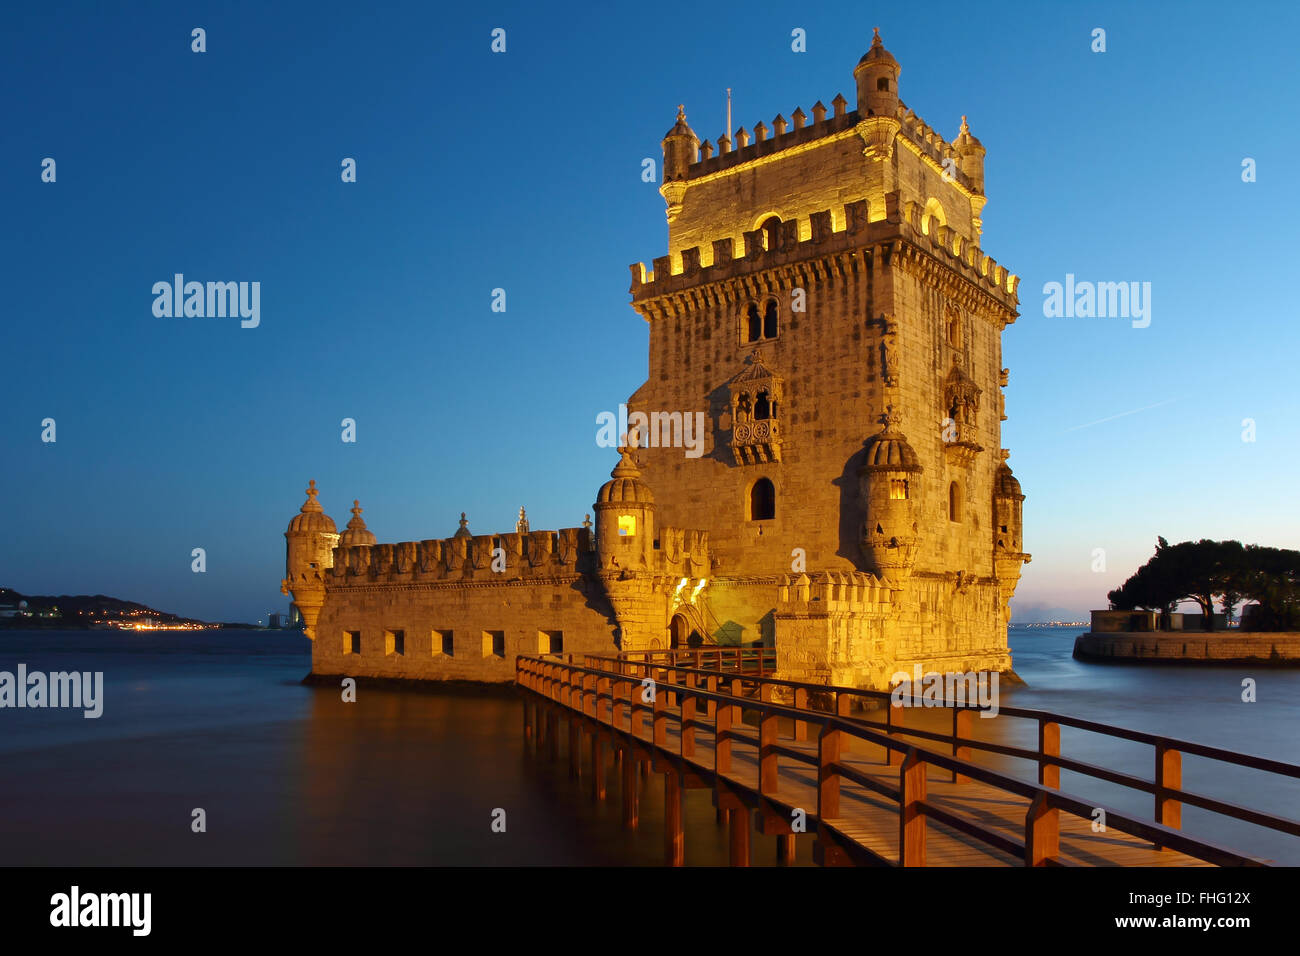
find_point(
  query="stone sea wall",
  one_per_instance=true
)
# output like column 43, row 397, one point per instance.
column 1191, row 647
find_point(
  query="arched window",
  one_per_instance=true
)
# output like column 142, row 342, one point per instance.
column 954, row 502
column 954, row 330
column 762, row 407
column 762, row 500
column 760, row 323
column 882, row 84
column 771, row 232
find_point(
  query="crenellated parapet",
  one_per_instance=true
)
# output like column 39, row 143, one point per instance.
column 833, row 592
column 826, row 243
column 743, row 147
column 487, row 558
column 941, row 154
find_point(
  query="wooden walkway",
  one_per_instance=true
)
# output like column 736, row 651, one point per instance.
column 862, row 792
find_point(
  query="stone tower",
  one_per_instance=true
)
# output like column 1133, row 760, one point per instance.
column 625, row 557
column 890, row 532
column 310, row 543
column 823, row 279
column 1008, row 520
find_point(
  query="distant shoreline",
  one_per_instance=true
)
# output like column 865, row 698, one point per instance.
column 180, row 626
column 1048, row 624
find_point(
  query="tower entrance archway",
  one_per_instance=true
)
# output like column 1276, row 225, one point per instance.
column 683, row 633
column 678, row 630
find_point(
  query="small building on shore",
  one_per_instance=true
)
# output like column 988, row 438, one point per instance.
column 1141, row 621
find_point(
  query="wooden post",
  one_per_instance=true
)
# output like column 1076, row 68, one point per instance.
column 1049, row 745
column 962, row 725
column 633, row 714
column 801, row 703
column 616, row 704
column 639, row 705
column 629, row 789
column 785, row 849
column 895, row 723
column 722, row 740
column 911, row 819
column 553, row 733
column 767, row 737
column 660, row 725
column 737, row 711
column 1169, row 776
column 688, row 719
column 828, row 779
column 1042, row 834
column 843, row 705
column 674, row 836
column 740, row 837
column 598, row 766
column 711, row 685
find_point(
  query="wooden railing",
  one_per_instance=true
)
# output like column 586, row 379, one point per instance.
column 755, row 660
column 607, row 690
column 1165, row 785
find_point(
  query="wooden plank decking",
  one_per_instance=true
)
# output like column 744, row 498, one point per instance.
column 871, row 820
column 847, row 788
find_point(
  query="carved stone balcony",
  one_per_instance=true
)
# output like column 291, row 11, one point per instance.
column 961, row 446
column 756, row 442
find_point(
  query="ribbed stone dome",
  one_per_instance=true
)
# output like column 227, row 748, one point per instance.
column 356, row 532
column 889, row 451
column 878, row 53
column 680, row 128
column 1006, row 485
column 625, row 485
column 894, row 454
column 311, row 516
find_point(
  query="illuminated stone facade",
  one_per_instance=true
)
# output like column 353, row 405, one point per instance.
column 826, row 303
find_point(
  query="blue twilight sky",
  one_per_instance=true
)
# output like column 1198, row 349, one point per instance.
column 522, row 171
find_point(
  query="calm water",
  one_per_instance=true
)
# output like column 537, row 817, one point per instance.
column 289, row 774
